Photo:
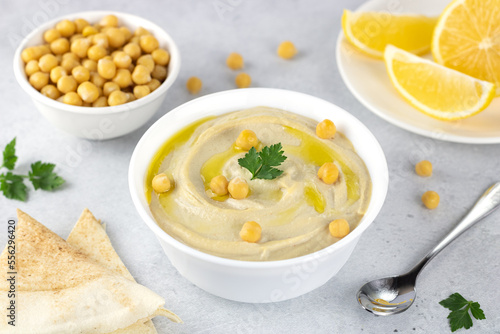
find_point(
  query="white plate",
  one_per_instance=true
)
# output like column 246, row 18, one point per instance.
column 368, row 81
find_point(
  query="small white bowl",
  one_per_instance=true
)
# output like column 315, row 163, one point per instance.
column 105, row 122
column 246, row 281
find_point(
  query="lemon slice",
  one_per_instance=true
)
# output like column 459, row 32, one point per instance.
column 436, row 90
column 467, row 39
column 371, row 32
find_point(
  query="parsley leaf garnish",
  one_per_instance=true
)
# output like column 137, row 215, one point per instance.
column 459, row 316
column 13, row 187
column 261, row 164
column 9, row 155
column 43, row 177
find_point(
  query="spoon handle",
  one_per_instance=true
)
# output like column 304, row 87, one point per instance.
column 485, row 205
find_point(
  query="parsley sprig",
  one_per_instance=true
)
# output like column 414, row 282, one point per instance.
column 459, row 315
column 262, row 164
column 41, row 175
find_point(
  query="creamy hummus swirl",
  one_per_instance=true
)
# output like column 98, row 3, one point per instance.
column 294, row 209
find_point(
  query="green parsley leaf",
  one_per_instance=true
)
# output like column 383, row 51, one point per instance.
column 454, row 302
column 262, row 164
column 43, row 177
column 9, row 155
column 13, row 187
column 459, row 315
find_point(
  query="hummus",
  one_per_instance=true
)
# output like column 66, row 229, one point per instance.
column 294, row 210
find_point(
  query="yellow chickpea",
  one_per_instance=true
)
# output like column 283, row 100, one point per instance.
column 133, row 50
column 126, row 33
column 326, row 129
column 251, row 232
column 100, row 102
column 76, row 37
column 32, row 53
column 39, row 80
column 101, row 39
column 153, row 84
column 31, row 67
column 56, row 73
column 88, row 92
column 90, row 65
column 89, row 31
column 235, row 61
column 81, row 74
column 47, row 62
column 238, row 188
column 246, row 140
column 51, row 92
column 339, row 228
column 96, row 79
column 80, row 47
column 135, row 39
column 115, row 37
column 328, row 173
column 106, row 68
column 161, row 183
column 69, row 64
column 109, row 21
column 80, row 24
column 109, row 87
column 59, row 46
column 70, row 55
column 141, row 75
column 96, row 52
column 122, row 60
column 424, row 168
column 67, row 84
column 117, row 97
column 72, row 98
column 430, row 199
column 243, row 80
column 161, row 57
column 194, row 85
column 141, row 31
column 147, row 60
column 141, row 91
column 159, row 72
column 123, row 78
column 287, row 50
column 219, row 185
column 51, row 35
column 66, row 28
column 148, row 43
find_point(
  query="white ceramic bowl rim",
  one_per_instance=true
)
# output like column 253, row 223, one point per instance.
column 373, row 209
column 173, row 69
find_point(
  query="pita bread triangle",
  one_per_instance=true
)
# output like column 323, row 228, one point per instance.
column 89, row 237
column 60, row 290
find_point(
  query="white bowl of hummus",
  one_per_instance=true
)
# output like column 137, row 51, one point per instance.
column 203, row 233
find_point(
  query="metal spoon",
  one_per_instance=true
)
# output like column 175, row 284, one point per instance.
column 391, row 295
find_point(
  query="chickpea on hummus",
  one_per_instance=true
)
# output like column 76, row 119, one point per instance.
column 200, row 193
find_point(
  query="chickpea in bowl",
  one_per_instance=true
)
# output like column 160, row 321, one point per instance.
column 97, row 75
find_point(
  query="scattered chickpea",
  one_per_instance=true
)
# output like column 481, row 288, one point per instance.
column 194, row 85
column 141, row 91
column 161, row 183
column 287, row 50
column 66, row 84
column 246, row 140
column 39, row 79
column 251, row 232
column 161, row 57
column 339, row 228
column 326, row 129
column 219, row 185
column 235, row 61
column 243, row 80
column 328, row 173
column 51, row 92
column 238, row 188
column 117, row 97
column 423, row 168
column 72, row 98
column 430, row 199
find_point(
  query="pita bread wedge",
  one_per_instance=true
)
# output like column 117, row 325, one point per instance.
column 60, row 290
column 89, row 237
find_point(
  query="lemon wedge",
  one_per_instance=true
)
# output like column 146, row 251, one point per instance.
column 371, row 32
column 467, row 39
column 436, row 90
